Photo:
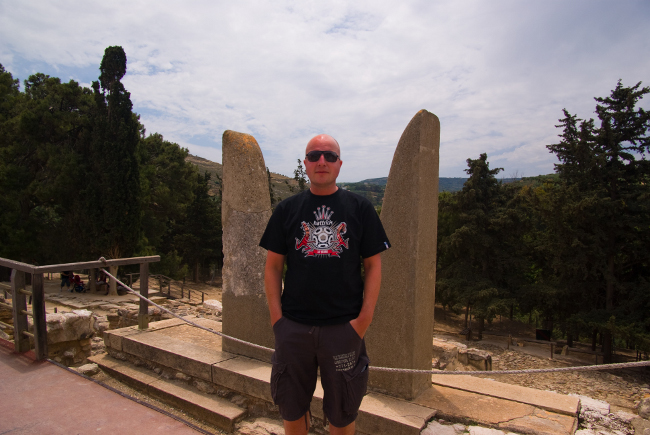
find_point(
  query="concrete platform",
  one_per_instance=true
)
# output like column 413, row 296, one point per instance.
column 198, row 354
column 43, row 398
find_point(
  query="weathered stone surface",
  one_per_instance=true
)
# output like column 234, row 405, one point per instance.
column 547, row 400
column 62, row 327
column 402, row 328
column 641, row 426
column 644, row 408
column 435, row 428
column 477, row 430
column 213, row 304
column 204, row 387
column 261, row 426
column 542, row 422
column 593, row 405
column 246, row 208
column 88, row 369
column 446, row 355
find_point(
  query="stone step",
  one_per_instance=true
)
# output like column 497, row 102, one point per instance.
column 206, row 407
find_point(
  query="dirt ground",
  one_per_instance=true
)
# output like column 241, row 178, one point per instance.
column 622, row 389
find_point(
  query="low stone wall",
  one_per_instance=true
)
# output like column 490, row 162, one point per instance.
column 73, row 336
column 451, row 355
column 128, row 316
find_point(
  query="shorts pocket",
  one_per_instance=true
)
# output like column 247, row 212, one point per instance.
column 277, row 373
column 281, row 319
column 356, row 384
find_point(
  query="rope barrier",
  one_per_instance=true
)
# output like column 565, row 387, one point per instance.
column 521, row 372
column 398, row 370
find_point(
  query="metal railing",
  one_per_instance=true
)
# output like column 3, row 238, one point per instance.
column 19, row 295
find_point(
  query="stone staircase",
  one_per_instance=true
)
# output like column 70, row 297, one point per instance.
column 185, row 367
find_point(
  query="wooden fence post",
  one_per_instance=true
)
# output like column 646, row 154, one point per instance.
column 38, row 315
column 143, row 314
column 92, row 278
column 551, row 350
column 21, row 341
column 112, row 288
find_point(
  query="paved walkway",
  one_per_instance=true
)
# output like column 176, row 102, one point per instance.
column 41, row 397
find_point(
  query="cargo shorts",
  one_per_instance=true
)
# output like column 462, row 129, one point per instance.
column 340, row 354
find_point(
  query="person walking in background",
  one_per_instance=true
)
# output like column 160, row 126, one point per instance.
column 65, row 280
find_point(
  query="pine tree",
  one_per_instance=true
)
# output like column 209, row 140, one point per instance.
column 604, row 207
column 478, row 265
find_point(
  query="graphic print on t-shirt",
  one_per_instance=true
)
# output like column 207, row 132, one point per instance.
column 323, row 237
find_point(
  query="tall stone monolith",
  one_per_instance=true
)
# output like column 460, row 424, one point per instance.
column 245, row 211
column 402, row 329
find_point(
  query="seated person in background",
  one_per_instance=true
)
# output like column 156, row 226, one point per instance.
column 78, row 284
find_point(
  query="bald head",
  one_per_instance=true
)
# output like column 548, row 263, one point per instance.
column 323, row 142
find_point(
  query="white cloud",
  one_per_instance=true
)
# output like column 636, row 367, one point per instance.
column 496, row 73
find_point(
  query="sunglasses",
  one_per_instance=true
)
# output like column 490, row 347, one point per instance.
column 330, row 156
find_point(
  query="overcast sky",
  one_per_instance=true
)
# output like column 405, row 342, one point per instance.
column 496, row 73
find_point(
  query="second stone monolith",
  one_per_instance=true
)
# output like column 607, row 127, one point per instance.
column 401, row 333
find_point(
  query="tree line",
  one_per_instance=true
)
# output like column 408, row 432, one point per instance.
column 81, row 179
column 570, row 248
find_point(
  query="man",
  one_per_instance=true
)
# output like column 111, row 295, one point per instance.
column 321, row 316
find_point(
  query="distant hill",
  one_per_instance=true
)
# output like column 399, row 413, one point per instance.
column 281, row 184
column 372, row 188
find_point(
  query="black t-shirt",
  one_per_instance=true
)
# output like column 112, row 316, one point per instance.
column 324, row 239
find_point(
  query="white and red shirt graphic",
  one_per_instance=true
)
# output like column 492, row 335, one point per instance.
column 322, row 237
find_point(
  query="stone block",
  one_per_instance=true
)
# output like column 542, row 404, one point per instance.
column 548, row 400
column 446, row 353
column 89, row 369
column 644, row 408
column 246, row 209
column 213, row 304
column 381, row 414
column 402, row 328
column 193, row 360
column 479, row 359
column 245, row 375
column 113, row 338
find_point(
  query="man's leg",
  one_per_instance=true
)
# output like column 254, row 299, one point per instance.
column 297, row 427
column 347, row 430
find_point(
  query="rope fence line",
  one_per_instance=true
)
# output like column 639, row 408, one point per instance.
column 398, row 370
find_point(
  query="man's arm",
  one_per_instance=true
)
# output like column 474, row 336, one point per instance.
column 372, row 271
column 273, row 284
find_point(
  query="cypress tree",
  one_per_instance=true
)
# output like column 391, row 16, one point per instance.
column 113, row 194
